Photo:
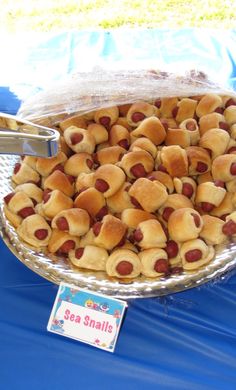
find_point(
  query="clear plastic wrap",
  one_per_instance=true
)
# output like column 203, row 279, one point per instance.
column 89, row 91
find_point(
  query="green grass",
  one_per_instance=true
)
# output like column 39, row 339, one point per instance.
column 55, row 15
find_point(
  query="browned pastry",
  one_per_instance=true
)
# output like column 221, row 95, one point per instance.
column 209, row 103
column 154, row 262
column 120, row 200
column 108, row 179
column 174, row 159
column 123, row 109
column 84, row 181
column 226, row 207
column 130, row 246
column 108, row 155
column 167, row 105
column 213, row 120
column 132, row 217
column 231, row 147
column 14, row 219
column 230, row 115
column 78, row 163
column 229, row 227
column 23, row 173
column 149, row 234
column 184, row 109
column 204, row 177
column 143, row 143
column 137, row 164
column 30, row 160
column 195, row 254
column 35, row 231
column 62, row 242
column 185, row 186
column 140, row 111
column 88, row 116
column 199, row 160
column 230, row 186
column 228, row 100
column 93, row 202
column 75, row 221
column 216, row 141
column 54, row 202
column 211, row 232
column 184, row 224
column 90, row 257
column 234, row 200
column 32, row 190
column 224, row 167
column 79, row 140
column 233, row 131
column 107, row 116
column 87, row 239
column 209, row 195
column 99, row 132
column 148, row 195
column 58, row 180
column 163, row 178
column 103, row 145
column 109, row 233
column 191, row 126
column 119, row 135
column 174, row 202
column 169, row 123
column 64, row 147
column 179, row 137
column 152, row 128
column 4, row 122
column 123, row 263
column 45, row 166
column 19, row 203
column 74, row 120
column 122, row 121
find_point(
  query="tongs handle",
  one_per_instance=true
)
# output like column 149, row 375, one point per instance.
column 21, row 137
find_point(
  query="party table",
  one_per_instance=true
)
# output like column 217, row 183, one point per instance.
column 186, row 340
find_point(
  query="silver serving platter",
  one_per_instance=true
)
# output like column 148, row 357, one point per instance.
column 56, row 269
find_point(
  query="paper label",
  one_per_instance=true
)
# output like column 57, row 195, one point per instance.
column 86, row 316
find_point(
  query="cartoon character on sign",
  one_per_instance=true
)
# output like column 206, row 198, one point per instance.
column 68, row 298
column 96, row 306
column 104, row 307
column 117, row 314
column 57, row 325
column 73, row 291
column 89, row 303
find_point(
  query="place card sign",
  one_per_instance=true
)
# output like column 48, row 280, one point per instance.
column 86, row 316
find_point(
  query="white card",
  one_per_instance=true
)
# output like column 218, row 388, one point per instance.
column 86, row 316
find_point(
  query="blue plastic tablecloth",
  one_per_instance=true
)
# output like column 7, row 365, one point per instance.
column 183, row 341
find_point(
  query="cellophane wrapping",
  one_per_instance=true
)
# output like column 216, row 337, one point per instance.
column 89, row 91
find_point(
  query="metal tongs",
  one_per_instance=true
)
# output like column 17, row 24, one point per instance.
column 22, row 137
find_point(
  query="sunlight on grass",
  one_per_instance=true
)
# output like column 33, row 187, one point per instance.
column 54, row 15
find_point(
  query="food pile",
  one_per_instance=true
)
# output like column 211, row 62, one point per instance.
column 146, row 188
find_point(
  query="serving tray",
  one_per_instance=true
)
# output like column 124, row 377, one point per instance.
column 58, row 269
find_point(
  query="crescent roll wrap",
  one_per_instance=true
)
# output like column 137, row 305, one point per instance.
column 195, row 254
column 123, row 263
column 184, row 224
